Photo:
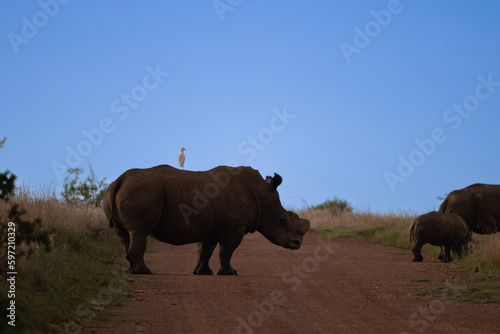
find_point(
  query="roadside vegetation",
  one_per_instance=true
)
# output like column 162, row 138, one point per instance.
column 77, row 278
column 477, row 275
column 65, row 259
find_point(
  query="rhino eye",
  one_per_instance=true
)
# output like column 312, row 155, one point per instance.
column 283, row 221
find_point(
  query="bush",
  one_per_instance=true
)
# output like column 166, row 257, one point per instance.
column 6, row 185
column 90, row 191
column 335, row 205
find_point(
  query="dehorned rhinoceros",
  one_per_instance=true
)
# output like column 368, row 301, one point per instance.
column 478, row 205
column 440, row 229
column 216, row 206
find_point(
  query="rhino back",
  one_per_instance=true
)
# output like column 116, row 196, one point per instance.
column 478, row 205
column 438, row 228
column 180, row 207
column 432, row 228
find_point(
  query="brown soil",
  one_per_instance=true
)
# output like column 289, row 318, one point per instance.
column 328, row 286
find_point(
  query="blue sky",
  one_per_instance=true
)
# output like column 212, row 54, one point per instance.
column 387, row 104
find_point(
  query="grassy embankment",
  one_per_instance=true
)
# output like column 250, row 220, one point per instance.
column 477, row 275
column 56, row 290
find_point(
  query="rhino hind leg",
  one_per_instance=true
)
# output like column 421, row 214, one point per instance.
column 416, row 250
column 124, row 237
column 136, row 252
column 229, row 241
column 205, row 250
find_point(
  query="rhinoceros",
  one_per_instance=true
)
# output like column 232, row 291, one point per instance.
column 478, row 205
column 440, row 229
column 178, row 207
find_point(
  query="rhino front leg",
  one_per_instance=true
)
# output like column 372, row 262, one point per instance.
column 205, row 250
column 441, row 253
column 447, row 255
column 457, row 248
column 136, row 252
column 229, row 241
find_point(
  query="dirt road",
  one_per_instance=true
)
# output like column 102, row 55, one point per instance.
column 327, row 286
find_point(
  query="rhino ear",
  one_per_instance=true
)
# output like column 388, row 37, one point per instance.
column 274, row 181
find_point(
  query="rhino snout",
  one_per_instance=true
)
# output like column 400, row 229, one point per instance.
column 295, row 243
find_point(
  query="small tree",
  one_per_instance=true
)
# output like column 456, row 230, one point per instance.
column 335, row 205
column 90, row 191
column 6, row 185
column 16, row 231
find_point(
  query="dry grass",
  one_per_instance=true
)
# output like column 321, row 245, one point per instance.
column 486, row 255
column 326, row 219
column 41, row 202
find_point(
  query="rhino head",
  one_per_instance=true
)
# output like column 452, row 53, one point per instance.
column 281, row 227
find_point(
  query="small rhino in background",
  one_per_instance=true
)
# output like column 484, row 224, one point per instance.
column 217, row 206
column 440, row 229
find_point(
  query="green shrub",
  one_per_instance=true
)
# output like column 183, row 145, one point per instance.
column 334, row 205
column 89, row 191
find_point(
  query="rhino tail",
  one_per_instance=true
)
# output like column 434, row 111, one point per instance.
column 412, row 238
column 442, row 207
column 114, row 187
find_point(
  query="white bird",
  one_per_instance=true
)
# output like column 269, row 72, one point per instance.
column 181, row 158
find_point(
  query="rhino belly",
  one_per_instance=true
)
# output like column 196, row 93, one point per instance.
column 182, row 233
